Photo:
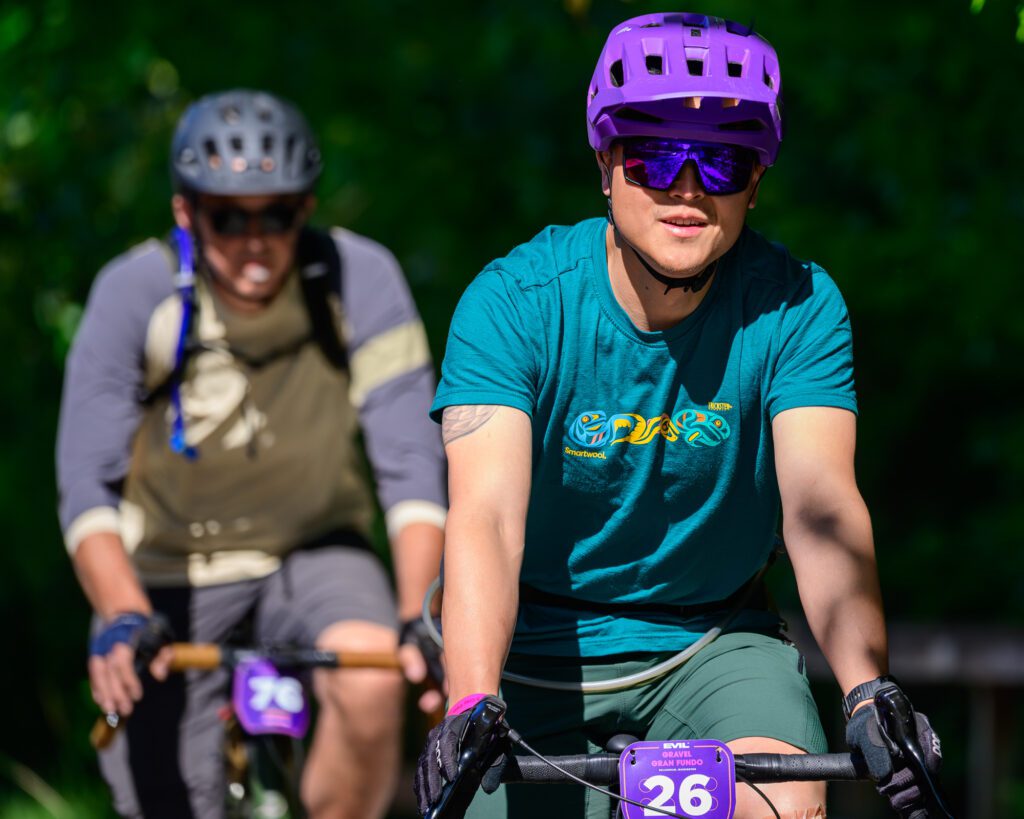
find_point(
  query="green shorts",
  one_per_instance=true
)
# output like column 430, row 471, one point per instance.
column 743, row 684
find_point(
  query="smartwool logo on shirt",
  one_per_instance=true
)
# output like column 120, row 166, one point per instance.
column 596, row 430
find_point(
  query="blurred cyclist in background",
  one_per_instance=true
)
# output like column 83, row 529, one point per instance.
column 210, row 472
column 625, row 404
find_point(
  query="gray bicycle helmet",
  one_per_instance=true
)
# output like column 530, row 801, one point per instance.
column 241, row 142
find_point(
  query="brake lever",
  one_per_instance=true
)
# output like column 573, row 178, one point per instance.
column 896, row 718
column 479, row 747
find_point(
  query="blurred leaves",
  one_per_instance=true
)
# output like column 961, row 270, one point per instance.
column 978, row 5
column 453, row 135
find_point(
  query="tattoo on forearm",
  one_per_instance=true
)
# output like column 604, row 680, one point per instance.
column 457, row 422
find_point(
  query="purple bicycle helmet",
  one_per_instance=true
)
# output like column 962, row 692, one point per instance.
column 687, row 75
column 241, row 142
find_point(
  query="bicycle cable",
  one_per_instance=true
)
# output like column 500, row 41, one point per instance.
column 759, row 792
column 516, row 738
column 616, row 683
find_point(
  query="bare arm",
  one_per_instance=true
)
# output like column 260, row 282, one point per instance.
column 489, row 462
column 828, row 535
column 107, row 576
column 417, row 551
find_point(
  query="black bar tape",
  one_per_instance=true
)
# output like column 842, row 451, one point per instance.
column 799, row 767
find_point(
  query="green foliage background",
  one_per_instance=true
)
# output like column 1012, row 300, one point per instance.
column 455, row 130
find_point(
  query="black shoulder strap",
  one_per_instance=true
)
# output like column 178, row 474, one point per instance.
column 320, row 271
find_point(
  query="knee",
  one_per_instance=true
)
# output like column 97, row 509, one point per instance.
column 782, row 803
column 366, row 699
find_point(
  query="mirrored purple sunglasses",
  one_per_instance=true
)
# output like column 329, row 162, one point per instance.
column 655, row 163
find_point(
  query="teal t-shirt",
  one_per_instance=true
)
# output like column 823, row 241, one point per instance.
column 653, row 468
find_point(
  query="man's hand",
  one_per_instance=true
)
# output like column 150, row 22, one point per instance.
column 439, row 761
column 117, row 654
column 422, row 663
column 893, row 778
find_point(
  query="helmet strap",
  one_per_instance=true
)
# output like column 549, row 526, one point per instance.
column 691, row 284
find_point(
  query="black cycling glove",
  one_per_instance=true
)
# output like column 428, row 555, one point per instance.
column 438, row 764
column 894, row 779
column 416, row 632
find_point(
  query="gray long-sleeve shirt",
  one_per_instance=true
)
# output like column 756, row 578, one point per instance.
column 279, row 461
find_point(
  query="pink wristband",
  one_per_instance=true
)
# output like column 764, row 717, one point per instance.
column 465, row 704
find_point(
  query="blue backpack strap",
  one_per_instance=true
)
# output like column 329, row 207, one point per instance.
column 185, row 284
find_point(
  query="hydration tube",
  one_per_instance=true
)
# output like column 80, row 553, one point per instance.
column 617, row 683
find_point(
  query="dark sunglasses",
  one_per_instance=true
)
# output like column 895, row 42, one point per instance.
column 655, row 163
column 235, row 221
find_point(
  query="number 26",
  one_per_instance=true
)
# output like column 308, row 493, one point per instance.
column 693, row 794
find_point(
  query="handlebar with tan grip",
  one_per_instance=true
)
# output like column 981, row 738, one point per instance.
column 208, row 656
column 202, row 656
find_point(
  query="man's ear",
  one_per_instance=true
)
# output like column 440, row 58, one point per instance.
column 759, row 172
column 604, row 162
column 184, row 212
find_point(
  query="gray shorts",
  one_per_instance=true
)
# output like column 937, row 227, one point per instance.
column 168, row 761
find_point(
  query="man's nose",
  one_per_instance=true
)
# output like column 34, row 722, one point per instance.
column 687, row 184
column 255, row 236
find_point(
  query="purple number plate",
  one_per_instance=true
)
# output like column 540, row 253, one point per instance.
column 269, row 702
column 694, row 778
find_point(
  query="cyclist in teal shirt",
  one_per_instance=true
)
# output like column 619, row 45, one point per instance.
column 626, row 405
column 658, row 434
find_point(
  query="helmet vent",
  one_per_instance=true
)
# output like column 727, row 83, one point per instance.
column 651, row 25
column 212, row 154
column 742, row 125
column 654, row 64
column 736, row 28
column 768, row 80
column 236, row 144
column 231, row 114
column 268, row 143
column 615, row 72
column 692, row 102
column 633, row 115
column 289, row 149
column 695, row 67
column 735, row 69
